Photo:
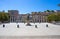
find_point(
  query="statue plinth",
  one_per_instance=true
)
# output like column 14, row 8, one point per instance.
column 28, row 24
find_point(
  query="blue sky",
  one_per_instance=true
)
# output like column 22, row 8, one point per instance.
column 27, row 6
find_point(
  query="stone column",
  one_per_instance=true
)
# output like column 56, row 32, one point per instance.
column 10, row 18
column 41, row 18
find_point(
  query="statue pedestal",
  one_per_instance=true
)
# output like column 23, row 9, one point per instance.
column 28, row 24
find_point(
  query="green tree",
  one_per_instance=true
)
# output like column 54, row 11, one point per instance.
column 58, row 16
column 4, row 17
column 52, row 11
column 58, row 5
column 48, row 11
column 52, row 17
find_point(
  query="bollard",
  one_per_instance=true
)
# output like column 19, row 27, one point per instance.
column 46, row 25
column 17, row 26
column 36, row 26
column 3, row 25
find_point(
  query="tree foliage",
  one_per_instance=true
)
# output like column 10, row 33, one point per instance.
column 53, row 17
column 4, row 16
column 59, row 5
column 47, row 10
column 50, row 11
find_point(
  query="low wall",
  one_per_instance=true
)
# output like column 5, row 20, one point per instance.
column 29, row 37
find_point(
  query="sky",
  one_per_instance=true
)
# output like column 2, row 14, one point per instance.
column 28, row 6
